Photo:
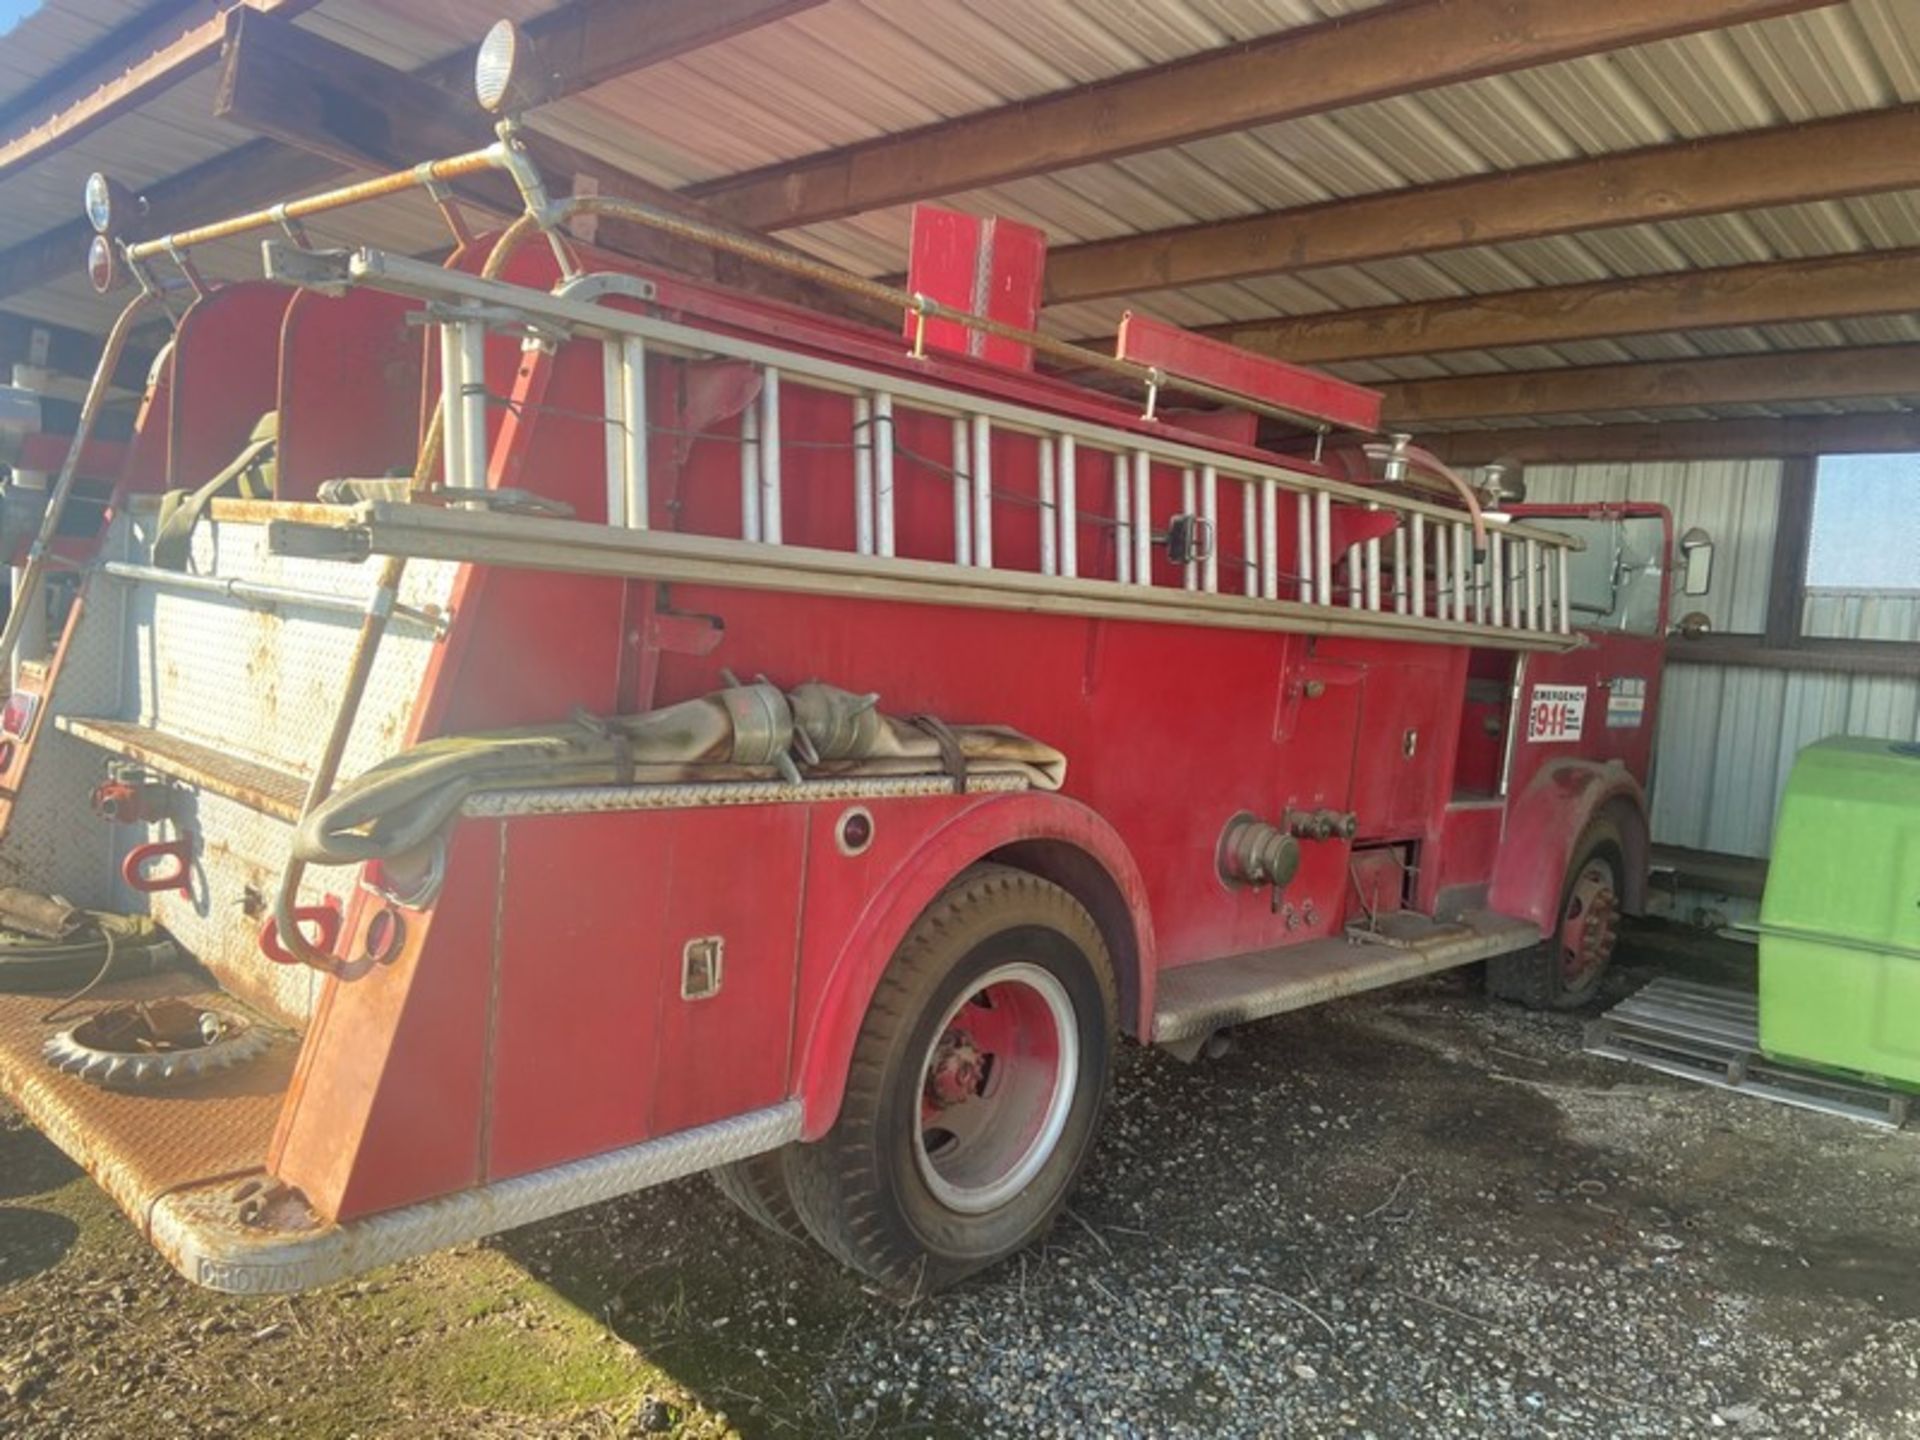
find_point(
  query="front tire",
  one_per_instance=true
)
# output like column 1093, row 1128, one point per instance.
column 975, row 1088
column 1564, row 971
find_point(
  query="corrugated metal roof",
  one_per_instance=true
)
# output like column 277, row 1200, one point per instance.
column 51, row 37
column 850, row 70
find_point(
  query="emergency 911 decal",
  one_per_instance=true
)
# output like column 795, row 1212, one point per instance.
column 1556, row 712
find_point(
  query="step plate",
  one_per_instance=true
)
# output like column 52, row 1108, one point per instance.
column 1711, row 1034
column 141, row 1146
column 259, row 787
column 1195, row 1000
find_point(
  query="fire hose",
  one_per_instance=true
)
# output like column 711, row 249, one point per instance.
column 742, row 732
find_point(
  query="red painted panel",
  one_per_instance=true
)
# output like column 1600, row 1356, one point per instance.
column 580, row 955
column 1469, row 841
column 594, row 1047
column 226, row 368
column 986, row 265
column 1407, row 715
column 386, row 1105
column 349, row 389
column 735, row 874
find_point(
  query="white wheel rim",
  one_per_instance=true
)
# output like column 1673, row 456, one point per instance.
column 996, row 1088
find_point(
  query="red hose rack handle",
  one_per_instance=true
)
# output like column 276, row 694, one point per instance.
column 327, row 921
column 134, row 869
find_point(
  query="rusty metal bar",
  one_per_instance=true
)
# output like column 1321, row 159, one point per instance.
column 420, row 177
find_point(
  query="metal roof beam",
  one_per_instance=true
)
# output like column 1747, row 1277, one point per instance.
column 391, row 118
column 1776, row 377
column 1765, row 437
column 1392, row 50
column 578, row 46
column 1783, row 292
column 314, row 95
column 1820, row 160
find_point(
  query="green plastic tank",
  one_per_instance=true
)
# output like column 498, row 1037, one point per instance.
column 1840, row 921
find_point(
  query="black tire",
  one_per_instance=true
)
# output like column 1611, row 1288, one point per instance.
column 862, row 1190
column 1544, row 977
column 759, row 1187
column 138, row 947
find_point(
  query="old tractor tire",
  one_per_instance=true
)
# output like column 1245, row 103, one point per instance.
column 1563, row 972
column 758, row 1186
column 975, row 1089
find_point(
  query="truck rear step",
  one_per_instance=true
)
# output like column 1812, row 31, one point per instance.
column 143, row 1146
column 1711, row 1034
column 259, row 787
column 1196, row 1000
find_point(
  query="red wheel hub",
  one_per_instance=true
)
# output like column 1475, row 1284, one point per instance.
column 957, row 1071
column 1591, row 922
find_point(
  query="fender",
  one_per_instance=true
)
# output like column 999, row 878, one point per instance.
column 827, row 1037
column 1544, row 823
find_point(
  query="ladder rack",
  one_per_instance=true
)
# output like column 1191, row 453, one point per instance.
column 1417, row 574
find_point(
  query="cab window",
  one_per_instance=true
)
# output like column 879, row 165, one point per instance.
column 1616, row 583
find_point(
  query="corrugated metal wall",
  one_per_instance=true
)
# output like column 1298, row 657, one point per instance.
column 1728, row 736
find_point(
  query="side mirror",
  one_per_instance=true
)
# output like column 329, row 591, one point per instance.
column 1696, row 560
column 1693, row 625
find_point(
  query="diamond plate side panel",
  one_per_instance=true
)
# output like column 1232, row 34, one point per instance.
column 54, row 842
column 266, row 683
column 194, row 1229
column 239, row 855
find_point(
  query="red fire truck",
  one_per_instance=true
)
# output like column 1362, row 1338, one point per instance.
column 508, row 732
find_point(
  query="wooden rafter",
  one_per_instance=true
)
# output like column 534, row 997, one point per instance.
column 1755, row 438
column 1821, row 160
column 1776, row 377
column 1782, row 292
column 1392, row 50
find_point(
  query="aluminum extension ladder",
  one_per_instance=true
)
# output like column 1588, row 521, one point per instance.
column 1426, row 569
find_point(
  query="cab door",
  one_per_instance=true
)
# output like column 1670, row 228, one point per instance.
column 1598, row 702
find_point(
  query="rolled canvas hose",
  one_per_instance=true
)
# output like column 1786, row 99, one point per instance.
column 744, row 732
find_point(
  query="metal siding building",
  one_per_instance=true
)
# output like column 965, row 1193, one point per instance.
column 1729, row 734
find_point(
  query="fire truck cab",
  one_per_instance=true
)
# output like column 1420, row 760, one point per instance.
column 505, row 733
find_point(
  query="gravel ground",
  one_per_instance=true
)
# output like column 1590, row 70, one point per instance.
column 1412, row 1214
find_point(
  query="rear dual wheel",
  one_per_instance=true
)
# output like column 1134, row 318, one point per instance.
column 975, row 1089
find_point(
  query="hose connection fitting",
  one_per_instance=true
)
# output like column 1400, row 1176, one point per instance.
column 1254, row 853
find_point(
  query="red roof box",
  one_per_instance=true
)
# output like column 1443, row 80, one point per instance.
column 1316, row 400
